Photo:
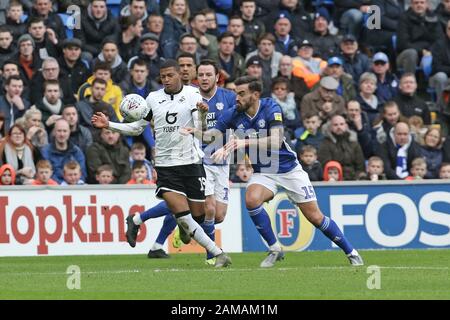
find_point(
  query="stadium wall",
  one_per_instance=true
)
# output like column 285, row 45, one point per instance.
column 84, row 220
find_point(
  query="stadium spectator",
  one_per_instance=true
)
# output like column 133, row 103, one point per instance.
column 189, row 44
column 418, row 29
column 243, row 173
column 72, row 174
column 367, row 98
column 390, row 116
column 307, row 67
column 97, row 23
column 211, row 22
column 138, row 153
column 35, row 129
column 71, row 66
column 387, row 82
column 44, row 172
column 310, row 164
column 443, row 13
column 323, row 101
column 7, row 47
column 175, row 24
column 244, row 45
column 441, row 62
column 374, row 170
column 418, row 169
column 53, row 23
column 417, row 128
column 155, row 24
column 104, row 174
column 50, row 104
column 398, row 152
column 61, row 151
column 253, row 27
column 444, row 171
column 128, row 41
column 324, row 43
column 284, row 42
column 359, row 122
column 11, row 68
column 109, row 149
column 149, row 53
column 14, row 19
column 432, row 152
column 408, row 101
column 12, row 105
column 135, row 8
column 151, row 6
column 208, row 43
column 231, row 63
column 298, row 85
column 350, row 14
column 137, row 80
column 332, row 171
column 27, row 58
column 254, row 69
column 2, row 126
column 112, row 94
column 110, row 55
column 95, row 103
column 341, row 144
column 7, row 175
column 334, row 69
column 79, row 135
column 309, row 134
column 50, row 71
column 139, row 173
column 355, row 62
column 45, row 41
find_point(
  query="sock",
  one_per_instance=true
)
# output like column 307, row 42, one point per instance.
column 168, row 226
column 137, row 219
column 208, row 227
column 161, row 209
column 332, row 231
column 157, row 246
column 193, row 228
column 262, row 222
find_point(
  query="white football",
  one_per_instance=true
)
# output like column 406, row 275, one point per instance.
column 133, row 107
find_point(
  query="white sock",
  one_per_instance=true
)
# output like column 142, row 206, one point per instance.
column 197, row 232
column 275, row 247
column 137, row 219
column 157, row 246
column 353, row 253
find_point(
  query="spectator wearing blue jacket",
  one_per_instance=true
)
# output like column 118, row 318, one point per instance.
column 355, row 62
column 387, row 82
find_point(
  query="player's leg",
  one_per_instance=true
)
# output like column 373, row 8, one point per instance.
column 168, row 226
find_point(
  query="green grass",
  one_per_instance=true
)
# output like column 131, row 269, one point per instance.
column 405, row 274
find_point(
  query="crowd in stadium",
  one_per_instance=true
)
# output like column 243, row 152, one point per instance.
column 360, row 100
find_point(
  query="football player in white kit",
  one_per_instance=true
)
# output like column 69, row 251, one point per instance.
column 178, row 158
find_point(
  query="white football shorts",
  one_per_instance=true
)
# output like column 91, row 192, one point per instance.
column 218, row 182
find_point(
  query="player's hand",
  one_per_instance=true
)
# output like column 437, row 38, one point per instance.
column 220, row 155
column 234, row 144
column 99, row 120
column 187, row 131
column 202, row 106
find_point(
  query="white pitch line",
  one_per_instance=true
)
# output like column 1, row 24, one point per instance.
column 394, row 268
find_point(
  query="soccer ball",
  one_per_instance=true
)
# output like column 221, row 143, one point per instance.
column 133, row 107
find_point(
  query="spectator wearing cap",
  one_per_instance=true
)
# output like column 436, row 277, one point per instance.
column 254, row 69
column 71, row 65
column 110, row 54
column 441, row 63
column 44, row 42
column 128, row 41
column 97, row 23
column 29, row 62
column 269, row 58
column 382, row 38
column 135, row 8
column 297, row 85
column 176, row 22
column 300, row 19
column 306, row 66
column 149, row 53
column 367, row 98
column 323, row 101
column 355, row 62
column 198, row 27
column 284, row 42
column 325, row 44
column 418, row 29
column 253, row 27
column 231, row 63
column 350, row 14
column 44, row 9
column 334, row 69
column 387, row 82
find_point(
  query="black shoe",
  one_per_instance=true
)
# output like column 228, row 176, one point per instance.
column 132, row 231
column 157, row 254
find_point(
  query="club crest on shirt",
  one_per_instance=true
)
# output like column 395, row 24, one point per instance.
column 262, row 123
column 241, row 126
column 219, row 105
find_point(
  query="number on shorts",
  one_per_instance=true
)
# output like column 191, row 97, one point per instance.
column 309, row 192
column 202, row 183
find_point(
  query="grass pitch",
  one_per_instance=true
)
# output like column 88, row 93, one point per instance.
column 404, row 274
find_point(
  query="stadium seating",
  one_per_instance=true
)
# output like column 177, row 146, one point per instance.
column 68, row 23
column 114, row 7
column 222, row 22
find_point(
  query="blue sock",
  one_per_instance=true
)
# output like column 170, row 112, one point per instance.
column 168, row 226
column 161, row 209
column 332, row 231
column 208, row 227
column 262, row 222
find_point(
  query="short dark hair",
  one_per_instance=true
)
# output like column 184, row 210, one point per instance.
column 267, row 36
column 109, row 40
column 5, row 28
column 9, row 62
column 102, row 65
column 186, row 55
column 226, row 34
column 14, row 77
column 195, row 15
column 209, row 62
column 50, row 82
column 98, row 80
column 281, row 80
column 254, row 84
column 308, row 148
column 170, row 63
column 128, row 21
column 137, row 164
column 34, row 19
column 187, row 35
column 139, row 62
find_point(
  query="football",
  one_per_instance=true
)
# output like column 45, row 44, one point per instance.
column 133, row 108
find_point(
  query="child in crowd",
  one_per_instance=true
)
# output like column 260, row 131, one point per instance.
column 444, row 171
column 309, row 134
column 308, row 160
column 418, row 169
column 138, row 153
column 418, row 130
column 104, row 174
column 243, row 173
column 333, row 171
column 7, row 175
column 375, row 170
column 72, row 174
column 44, row 171
column 139, row 173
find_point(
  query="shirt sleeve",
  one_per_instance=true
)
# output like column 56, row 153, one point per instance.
column 225, row 122
column 275, row 116
column 129, row 129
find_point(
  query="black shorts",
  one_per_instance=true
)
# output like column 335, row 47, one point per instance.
column 188, row 180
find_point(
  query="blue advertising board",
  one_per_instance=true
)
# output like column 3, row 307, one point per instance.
column 373, row 216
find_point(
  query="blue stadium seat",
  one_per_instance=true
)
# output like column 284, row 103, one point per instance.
column 68, row 23
column 222, row 22
column 114, row 7
column 24, row 17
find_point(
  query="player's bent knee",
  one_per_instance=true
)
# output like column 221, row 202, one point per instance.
column 253, row 201
column 312, row 212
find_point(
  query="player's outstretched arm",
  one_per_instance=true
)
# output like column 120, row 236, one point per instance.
column 99, row 120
